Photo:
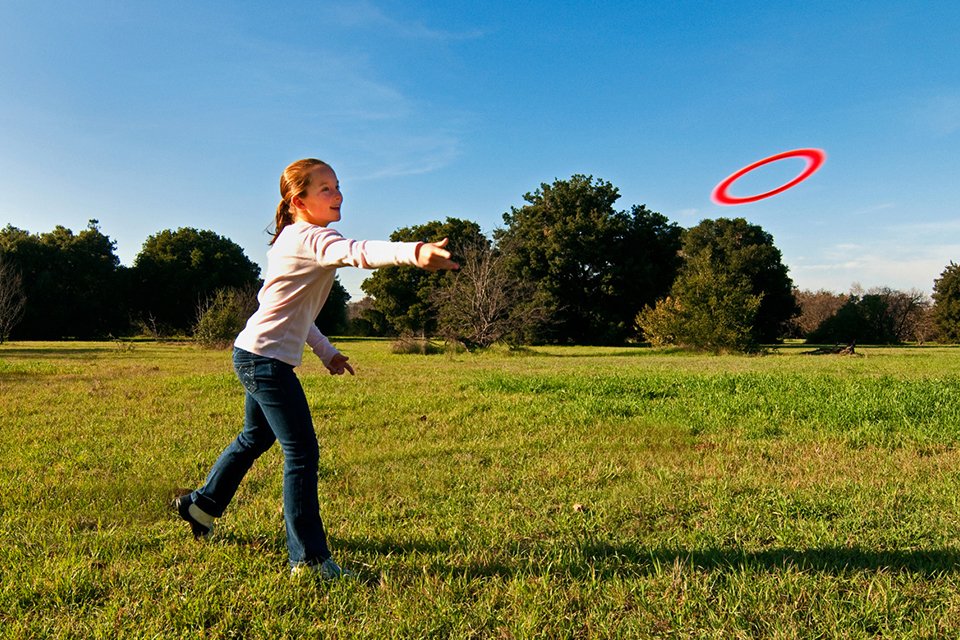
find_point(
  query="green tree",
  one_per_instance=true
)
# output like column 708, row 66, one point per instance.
column 405, row 295
column 879, row 316
column 710, row 308
column 224, row 315
column 946, row 297
column 177, row 271
column 332, row 320
column 816, row 307
column 593, row 267
column 746, row 251
column 73, row 283
column 364, row 320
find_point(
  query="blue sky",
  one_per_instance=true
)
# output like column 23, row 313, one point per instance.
column 149, row 116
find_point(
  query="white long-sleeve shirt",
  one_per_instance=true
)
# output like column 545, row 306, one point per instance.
column 301, row 266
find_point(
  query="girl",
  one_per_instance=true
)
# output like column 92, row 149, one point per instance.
column 301, row 265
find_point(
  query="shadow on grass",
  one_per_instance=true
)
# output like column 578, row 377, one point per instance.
column 767, row 349
column 836, row 560
column 613, row 352
column 606, row 561
column 55, row 353
column 23, row 376
column 387, row 547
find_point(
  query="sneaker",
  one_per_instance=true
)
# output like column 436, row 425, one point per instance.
column 327, row 570
column 201, row 523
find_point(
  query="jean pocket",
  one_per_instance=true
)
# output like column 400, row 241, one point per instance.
column 248, row 378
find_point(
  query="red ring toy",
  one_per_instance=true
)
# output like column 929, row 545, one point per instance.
column 814, row 158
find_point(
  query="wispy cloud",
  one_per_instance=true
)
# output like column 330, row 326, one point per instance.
column 365, row 14
column 882, row 206
column 890, row 264
column 940, row 114
column 843, row 248
column 930, row 229
column 358, row 98
column 407, row 154
column 688, row 214
column 363, row 118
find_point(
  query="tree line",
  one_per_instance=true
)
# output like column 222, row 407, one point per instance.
column 567, row 267
column 75, row 287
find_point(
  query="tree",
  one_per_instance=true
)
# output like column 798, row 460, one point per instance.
column 12, row 299
column 815, row 308
column 593, row 267
column 906, row 310
column 223, row 315
column 73, row 282
column 404, row 295
column 364, row 320
column 946, row 310
column 710, row 308
column 332, row 319
column 746, row 250
column 483, row 303
column 925, row 327
column 879, row 316
column 177, row 270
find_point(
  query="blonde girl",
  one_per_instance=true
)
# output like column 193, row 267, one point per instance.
column 301, row 264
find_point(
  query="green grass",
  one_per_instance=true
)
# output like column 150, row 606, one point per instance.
column 557, row 492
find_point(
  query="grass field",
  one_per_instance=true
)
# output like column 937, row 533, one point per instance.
column 558, row 492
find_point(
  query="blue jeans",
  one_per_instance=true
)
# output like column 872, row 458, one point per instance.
column 275, row 409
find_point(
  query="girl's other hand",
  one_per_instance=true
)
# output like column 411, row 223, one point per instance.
column 433, row 257
column 338, row 365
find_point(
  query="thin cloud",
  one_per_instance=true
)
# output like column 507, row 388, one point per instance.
column 940, row 114
column 932, row 228
column 883, row 206
column 368, row 123
column 360, row 98
column 886, row 264
column 364, row 14
column 408, row 154
column 688, row 214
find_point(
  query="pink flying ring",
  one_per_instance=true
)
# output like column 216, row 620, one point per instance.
column 814, row 158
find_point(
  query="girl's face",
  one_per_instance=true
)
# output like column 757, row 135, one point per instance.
column 320, row 205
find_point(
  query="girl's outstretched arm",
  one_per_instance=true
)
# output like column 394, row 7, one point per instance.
column 433, row 257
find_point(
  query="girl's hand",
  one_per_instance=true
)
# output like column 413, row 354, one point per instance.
column 433, row 257
column 338, row 364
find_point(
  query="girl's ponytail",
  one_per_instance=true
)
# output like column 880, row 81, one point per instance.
column 293, row 183
column 284, row 217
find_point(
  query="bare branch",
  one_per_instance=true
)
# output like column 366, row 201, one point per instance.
column 13, row 301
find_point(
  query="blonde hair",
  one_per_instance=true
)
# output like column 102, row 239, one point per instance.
column 293, row 183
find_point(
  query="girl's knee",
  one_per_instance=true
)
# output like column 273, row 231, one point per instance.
column 302, row 454
column 256, row 445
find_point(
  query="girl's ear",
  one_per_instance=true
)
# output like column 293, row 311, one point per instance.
column 296, row 202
